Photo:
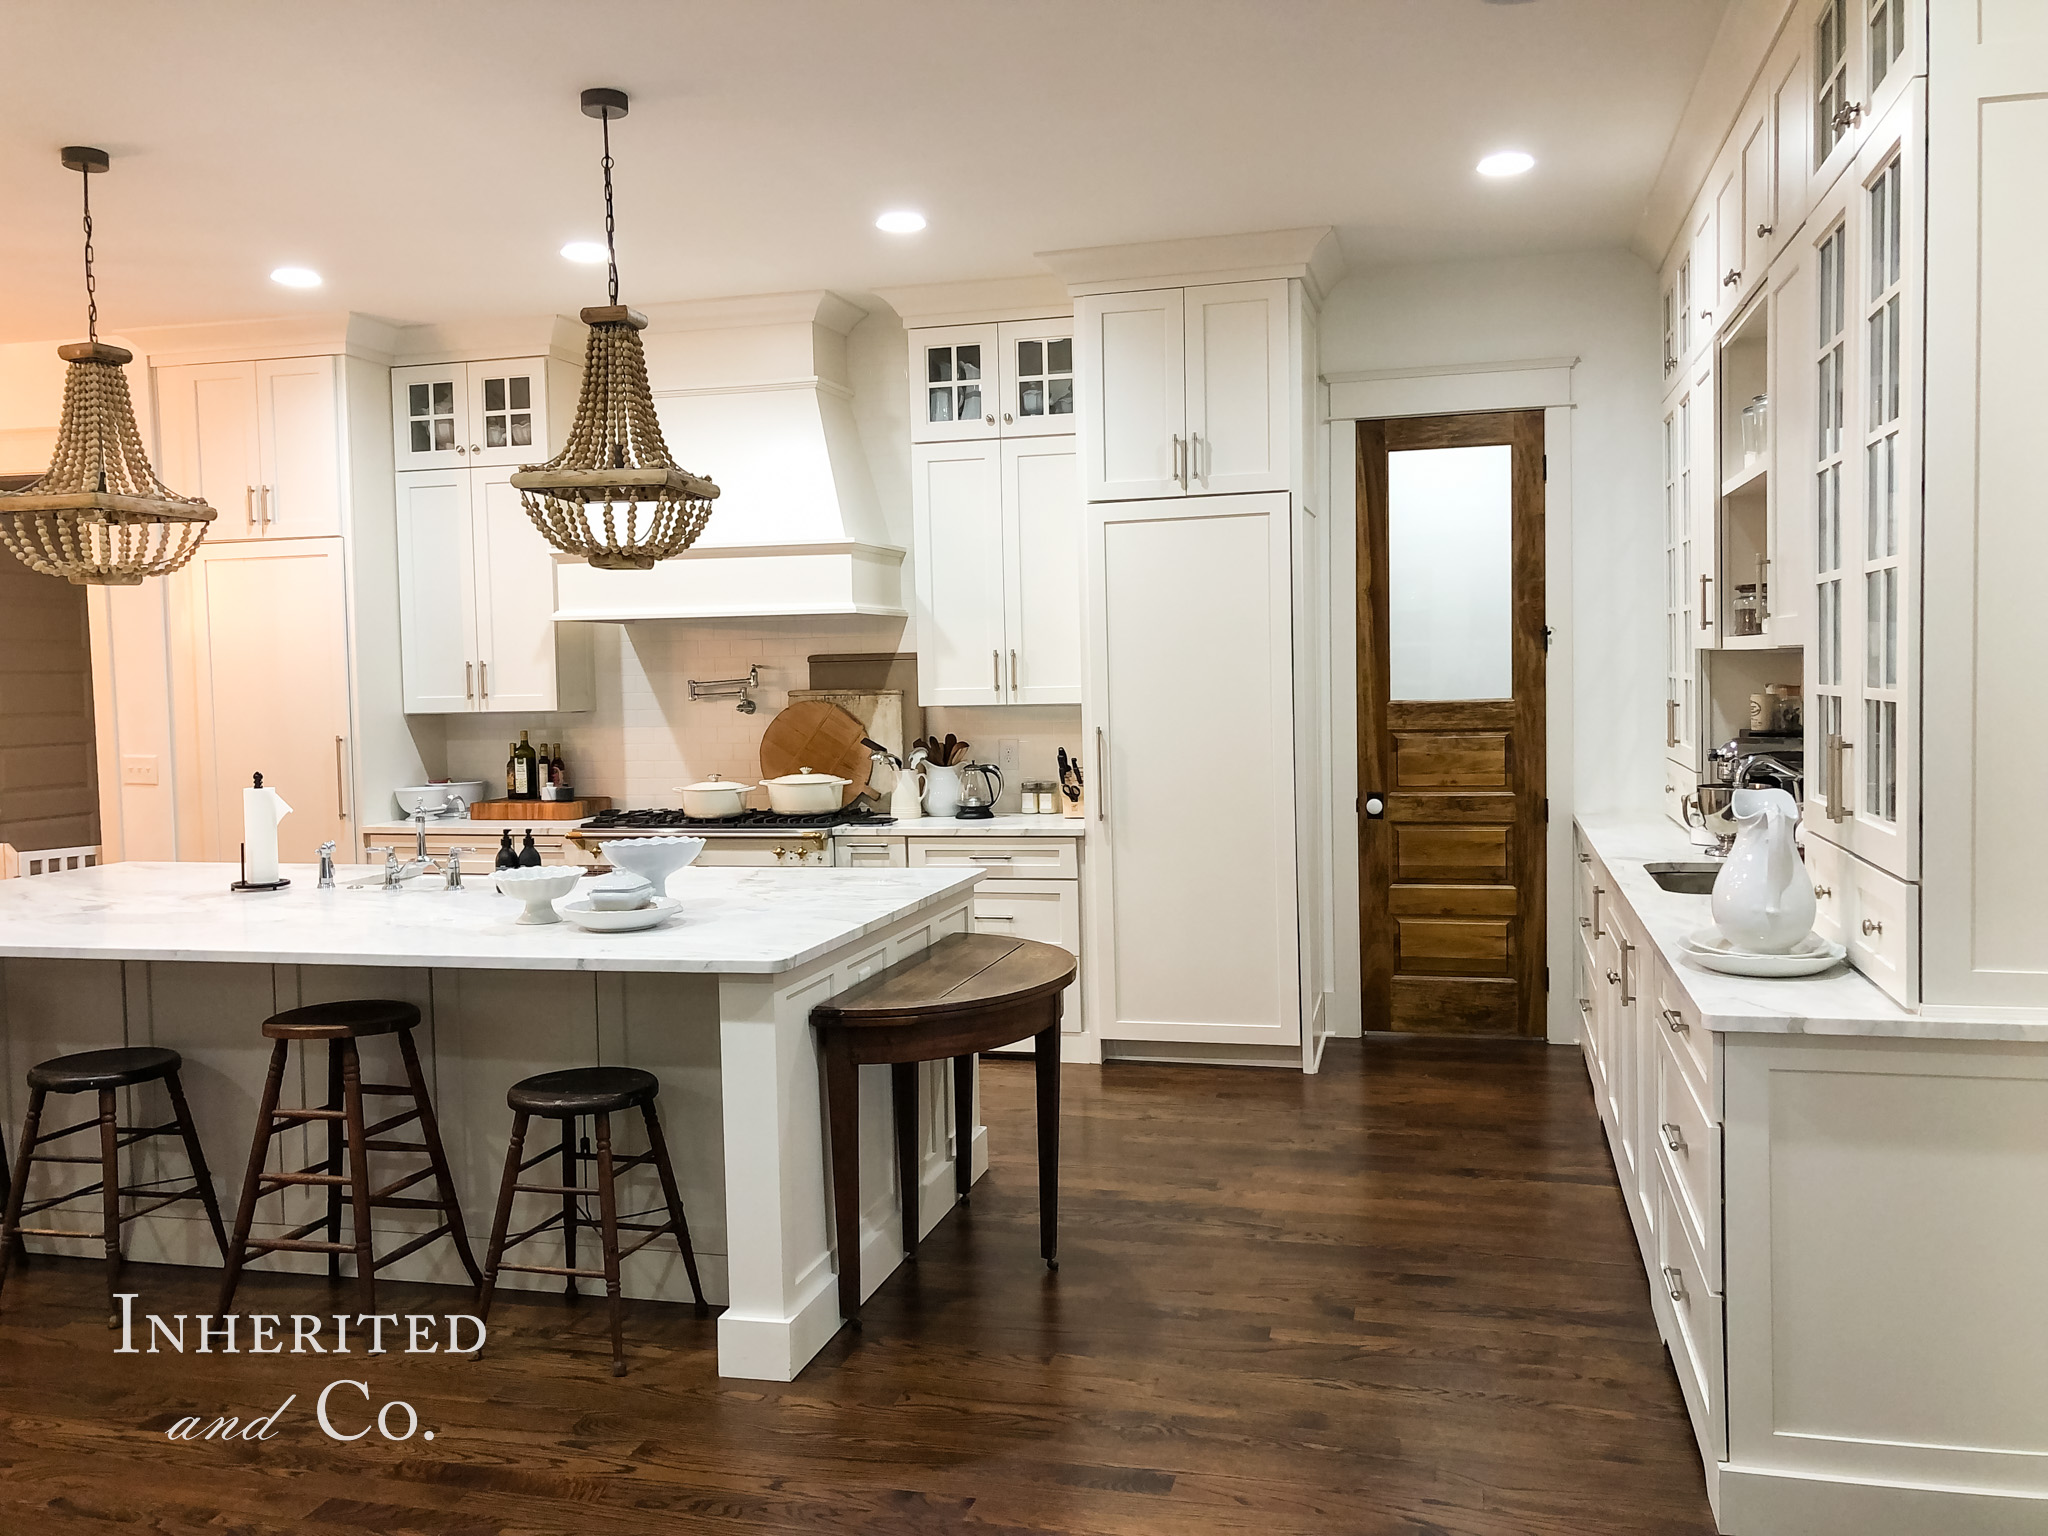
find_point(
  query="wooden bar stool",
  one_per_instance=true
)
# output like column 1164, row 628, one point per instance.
column 102, row 1073
column 599, row 1092
column 967, row 993
column 350, row 1141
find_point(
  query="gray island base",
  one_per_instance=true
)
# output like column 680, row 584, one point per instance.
column 716, row 1003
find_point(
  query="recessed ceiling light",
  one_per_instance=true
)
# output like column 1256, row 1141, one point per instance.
column 296, row 277
column 901, row 222
column 1509, row 162
column 589, row 252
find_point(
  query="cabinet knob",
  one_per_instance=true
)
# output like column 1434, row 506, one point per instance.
column 991, row 420
column 460, row 449
column 1008, row 418
column 1847, row 115
column 1765, row 231
column 1823, row 892
column 1734, row 276
column 474, row 449
column 1614, row 978
column 1872, row 925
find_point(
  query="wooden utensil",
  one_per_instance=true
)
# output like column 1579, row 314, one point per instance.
column 819, row 736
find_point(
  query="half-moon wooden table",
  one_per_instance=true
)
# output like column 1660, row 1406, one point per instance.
column 968, row 992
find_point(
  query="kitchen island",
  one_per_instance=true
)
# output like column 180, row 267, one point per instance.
column 715, row 1003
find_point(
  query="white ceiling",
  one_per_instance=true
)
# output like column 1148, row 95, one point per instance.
column 428, row 156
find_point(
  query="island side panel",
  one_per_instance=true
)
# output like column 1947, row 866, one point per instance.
column 783, row 1304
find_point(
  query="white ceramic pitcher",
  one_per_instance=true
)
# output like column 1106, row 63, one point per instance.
column 942, row 790
column 1763, row 897
column 906, row 801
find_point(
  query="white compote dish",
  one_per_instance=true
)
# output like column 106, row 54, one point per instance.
column 539, row 886
column 653, row 859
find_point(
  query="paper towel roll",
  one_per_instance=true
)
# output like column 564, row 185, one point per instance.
column 262, row 810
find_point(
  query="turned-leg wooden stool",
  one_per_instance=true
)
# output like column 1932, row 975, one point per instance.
column 350, row 1141
column 599, row 1092
column 103, row 1073
column 967, row 993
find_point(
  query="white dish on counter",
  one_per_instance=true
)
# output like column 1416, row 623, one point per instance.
column 653, row 859
column 596, row 920
column 538, row 886
column 1813, row 954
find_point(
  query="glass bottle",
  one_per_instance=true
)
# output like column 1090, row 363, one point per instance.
column 559, row 769
column 511, row 757
column 524, row 785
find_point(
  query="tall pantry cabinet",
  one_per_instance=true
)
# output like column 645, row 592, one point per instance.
column 271, row 651
column 1195, row 405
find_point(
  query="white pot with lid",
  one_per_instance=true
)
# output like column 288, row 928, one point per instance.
column 716, row 796
column 805, row 793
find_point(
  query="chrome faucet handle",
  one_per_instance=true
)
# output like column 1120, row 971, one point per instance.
column 453, row 871
column 326, row 867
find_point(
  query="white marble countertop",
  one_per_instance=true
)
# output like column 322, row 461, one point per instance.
column 466, row 823
column 1838, row 1002
column 732, row 920
column 994, row 826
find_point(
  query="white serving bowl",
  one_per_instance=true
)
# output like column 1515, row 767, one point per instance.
column 434, row 796
column 653, row 859
column 539, row 887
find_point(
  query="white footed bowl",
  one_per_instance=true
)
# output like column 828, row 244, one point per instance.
column 653, row 859
column 539, row 888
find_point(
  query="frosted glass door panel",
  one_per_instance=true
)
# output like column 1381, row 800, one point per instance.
column 1450, row 573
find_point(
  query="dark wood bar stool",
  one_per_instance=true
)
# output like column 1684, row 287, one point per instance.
column 103, row 1073
column 967, row 993
column 350, row 1141
column 599, row 1092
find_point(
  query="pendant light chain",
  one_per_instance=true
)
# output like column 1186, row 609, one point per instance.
column 610, row 245
column 92, row 302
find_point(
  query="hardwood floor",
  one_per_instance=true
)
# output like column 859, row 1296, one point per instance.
column 1399, row 1297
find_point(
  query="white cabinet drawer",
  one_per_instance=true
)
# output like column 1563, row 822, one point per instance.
column 1679, row 1022
column 869, row 852
column 1694, row 1327
column 1679, row 784
column 1048, row 911
column 1689, row 1146
column 1032, row 858
column 1875, row 914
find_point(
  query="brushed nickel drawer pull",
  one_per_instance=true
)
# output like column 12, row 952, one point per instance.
column 469, row 679
column 1675, row 1021
column 1672, row 1138
column 1628, row 966
column 1674, row 1283
column 1705, row 622
column 340, row 779
column 1598, row 892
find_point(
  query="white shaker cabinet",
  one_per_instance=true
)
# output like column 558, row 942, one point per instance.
column 476, row 602
column 261, row 441
column 1195, row 938
column 1013, row 378
column 1186, row 391
column 487, row 414
column 997, row 529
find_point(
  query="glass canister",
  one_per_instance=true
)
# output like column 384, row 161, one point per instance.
column 1756, row 430
column 1748, row 613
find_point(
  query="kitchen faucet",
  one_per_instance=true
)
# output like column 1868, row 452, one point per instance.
column 326, row 867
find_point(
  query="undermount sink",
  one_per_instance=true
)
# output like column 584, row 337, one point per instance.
column 1685, row 879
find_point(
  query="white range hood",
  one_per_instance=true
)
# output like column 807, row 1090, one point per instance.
column 753, row 393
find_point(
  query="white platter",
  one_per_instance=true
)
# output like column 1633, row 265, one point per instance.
column 1809, row 957
column 584, row 915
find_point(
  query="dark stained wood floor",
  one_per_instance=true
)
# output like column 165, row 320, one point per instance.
column 1399, row 1297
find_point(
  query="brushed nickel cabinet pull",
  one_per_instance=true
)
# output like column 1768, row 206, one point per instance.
column 1101, row 777
column 1765, row 231
column 1628, row 980
column 1763, row 575
column 469, row 679
column 1013, row 671
column 1670, row 724
column 995, row 667
column 1837, row 749
column 1674, row 1283
column 1872, row 926
column 1823, row 892
column 340, row 779
column 1674, row 1021
column 1672, row 1138
column 249, row 506
column 483, row 679
column 1705, row 623
column 1195, row 456
column 264, row 516
column 1598, row 892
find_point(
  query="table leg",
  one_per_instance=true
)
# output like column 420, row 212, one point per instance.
column 1047, row 1062
column 903, row 1101
column 963, row 1126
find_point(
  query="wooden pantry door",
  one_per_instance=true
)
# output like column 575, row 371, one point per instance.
column 1451, row 718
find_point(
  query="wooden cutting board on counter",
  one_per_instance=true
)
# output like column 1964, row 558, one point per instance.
column 820, row 736
column 539, row 810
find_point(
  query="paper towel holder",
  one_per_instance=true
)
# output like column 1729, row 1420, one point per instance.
column 244, row 883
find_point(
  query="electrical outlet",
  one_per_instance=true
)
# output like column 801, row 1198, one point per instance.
column 1010, row 758
column 139, row 768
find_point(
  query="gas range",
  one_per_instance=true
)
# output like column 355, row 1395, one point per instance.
column 665, row 823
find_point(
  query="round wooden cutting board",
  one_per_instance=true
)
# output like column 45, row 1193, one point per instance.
column 819, row 736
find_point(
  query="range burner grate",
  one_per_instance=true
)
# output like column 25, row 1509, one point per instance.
column 746, row 821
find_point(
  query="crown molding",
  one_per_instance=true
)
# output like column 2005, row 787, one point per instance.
column 1311, row 254
column 814, row 307
column 326, row 334
column 1034, row 296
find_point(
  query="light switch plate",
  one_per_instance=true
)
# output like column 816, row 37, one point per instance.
column 139, row 768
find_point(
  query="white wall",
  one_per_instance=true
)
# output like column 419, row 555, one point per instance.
column 1599, row 307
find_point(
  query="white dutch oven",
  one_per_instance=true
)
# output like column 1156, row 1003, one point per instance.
column 805, row 793
column 714, row 797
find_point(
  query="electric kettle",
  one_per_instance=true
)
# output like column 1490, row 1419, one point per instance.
column 979, row 806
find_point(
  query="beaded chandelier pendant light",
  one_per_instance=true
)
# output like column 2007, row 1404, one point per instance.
column 614, row 495
column 99, row 517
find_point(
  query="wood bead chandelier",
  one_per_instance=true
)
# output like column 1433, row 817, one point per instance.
column 99, row 516
column 614, row 495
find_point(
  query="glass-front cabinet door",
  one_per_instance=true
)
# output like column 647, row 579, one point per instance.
column 508, row 412
column 430, row 417
column 1035, row 378
column 457, row 415
column 1865, row 56
column 953, row 383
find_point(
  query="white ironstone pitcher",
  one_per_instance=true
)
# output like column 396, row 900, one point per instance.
column 1763, row 897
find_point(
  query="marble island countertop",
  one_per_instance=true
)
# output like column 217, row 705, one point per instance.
column 732, row 920
column 1838, row 1002
column 922, row 826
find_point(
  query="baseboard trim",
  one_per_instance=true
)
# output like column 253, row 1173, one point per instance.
column 1759, row 1502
